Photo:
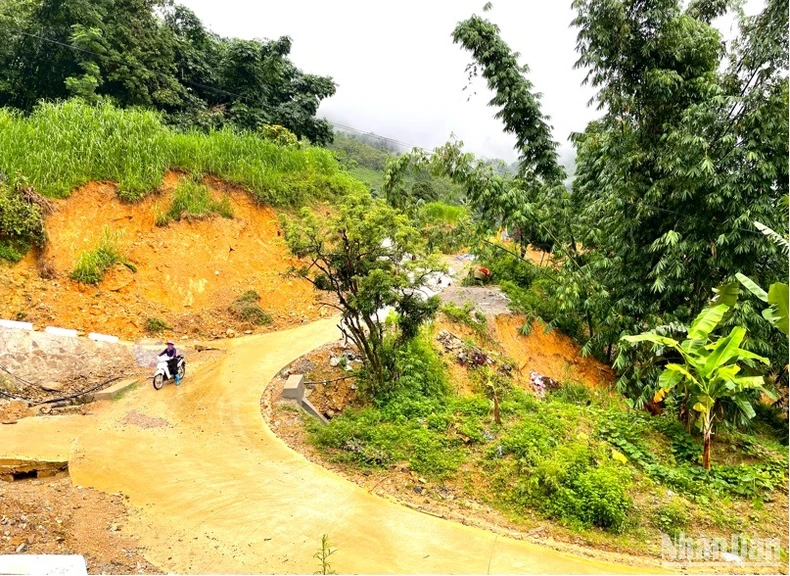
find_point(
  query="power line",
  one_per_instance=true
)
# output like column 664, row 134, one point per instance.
column 367, row 133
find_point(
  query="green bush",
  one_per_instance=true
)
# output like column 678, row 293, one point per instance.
column 603, row 499
column 21, row 223
column 672, row 518
column 246, row 309
column 155, row 326
column 192, row 201
column 92, row 264
column 466, row 314
column 408, row 422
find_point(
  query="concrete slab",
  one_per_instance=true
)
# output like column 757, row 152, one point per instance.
column 47, row 438
column 116, row 389
column 16, row 468
column 294, row 387
column 313, row 411
column 51, row 565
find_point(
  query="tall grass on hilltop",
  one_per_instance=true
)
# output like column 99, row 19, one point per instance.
column 62, row 146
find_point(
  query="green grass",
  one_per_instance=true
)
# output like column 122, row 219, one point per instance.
column 62, row 146
column 156, row 325
column 579, row 457
column 192, row 201
column 92, row 264
column 246, row 309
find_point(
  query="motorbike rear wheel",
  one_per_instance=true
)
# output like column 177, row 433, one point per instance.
column 182, row 369
column 159, row 381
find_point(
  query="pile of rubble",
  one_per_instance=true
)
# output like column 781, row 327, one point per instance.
column 542, row 384
column 465, row 354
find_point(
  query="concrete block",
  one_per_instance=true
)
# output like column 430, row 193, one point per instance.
column 103, row 337
column 116, row 389
column 294, row 387
column 16, row 325
column 313, row 411
column 51, row 564
column 61, row 331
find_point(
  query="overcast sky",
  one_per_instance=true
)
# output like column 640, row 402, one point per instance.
column 399, row 73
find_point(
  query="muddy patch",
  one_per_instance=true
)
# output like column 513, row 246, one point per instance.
column 135, row 418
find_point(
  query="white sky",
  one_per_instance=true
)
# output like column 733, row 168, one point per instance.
column 399, row 73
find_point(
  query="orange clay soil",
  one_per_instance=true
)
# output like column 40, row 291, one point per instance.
column 188, row 272
column 553, row 354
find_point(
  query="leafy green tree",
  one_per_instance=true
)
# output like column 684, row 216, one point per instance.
column 156, row 54
column 711, row 373
column 370, row 258
column 691, row 147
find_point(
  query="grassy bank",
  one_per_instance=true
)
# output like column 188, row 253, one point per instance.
column 579, row 459
column 62, row 146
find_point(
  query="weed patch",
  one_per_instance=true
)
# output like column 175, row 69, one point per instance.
column 21, row 223
column 91, row 265
column 192, row 201
column 246, row 309
column 156, row 325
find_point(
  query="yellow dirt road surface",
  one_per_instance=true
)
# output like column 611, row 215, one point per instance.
column 213, row 490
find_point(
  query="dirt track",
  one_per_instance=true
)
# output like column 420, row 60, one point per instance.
column 213, row 490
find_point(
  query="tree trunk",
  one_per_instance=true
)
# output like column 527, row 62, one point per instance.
column 706, row 450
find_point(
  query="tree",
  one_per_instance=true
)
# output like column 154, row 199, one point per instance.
column 692, row 145
column 370, row 258
column 711, row 373
column 156, row 54
column 691, row 148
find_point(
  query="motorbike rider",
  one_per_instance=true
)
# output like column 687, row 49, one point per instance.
column 172, row 360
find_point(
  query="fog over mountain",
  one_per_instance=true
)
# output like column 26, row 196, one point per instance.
column 399, row 73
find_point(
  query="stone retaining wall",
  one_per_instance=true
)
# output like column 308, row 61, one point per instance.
column 40, row 357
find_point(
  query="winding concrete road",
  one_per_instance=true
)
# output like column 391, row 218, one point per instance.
column 213, row 490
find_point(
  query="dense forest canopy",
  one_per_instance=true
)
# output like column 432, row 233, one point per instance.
column 156, row 54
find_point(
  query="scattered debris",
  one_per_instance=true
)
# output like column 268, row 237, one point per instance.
column 542, row 384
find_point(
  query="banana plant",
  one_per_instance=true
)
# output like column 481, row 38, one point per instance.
column 711, row 371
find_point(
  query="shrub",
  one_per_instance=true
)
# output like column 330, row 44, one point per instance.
column 603, row 499
column 672, row 518
column 91, row 265
column 246, row 309
column 466, row 315
column 572, row 393
column 156, row 325
column 192, row 201
column 21, row 223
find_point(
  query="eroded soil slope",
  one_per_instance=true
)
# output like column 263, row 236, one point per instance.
column 187, row 273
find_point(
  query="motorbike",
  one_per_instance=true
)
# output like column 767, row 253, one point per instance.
column 163, row 371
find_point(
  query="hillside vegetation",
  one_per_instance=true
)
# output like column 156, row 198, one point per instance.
column 155, row 54
column 62, row 146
